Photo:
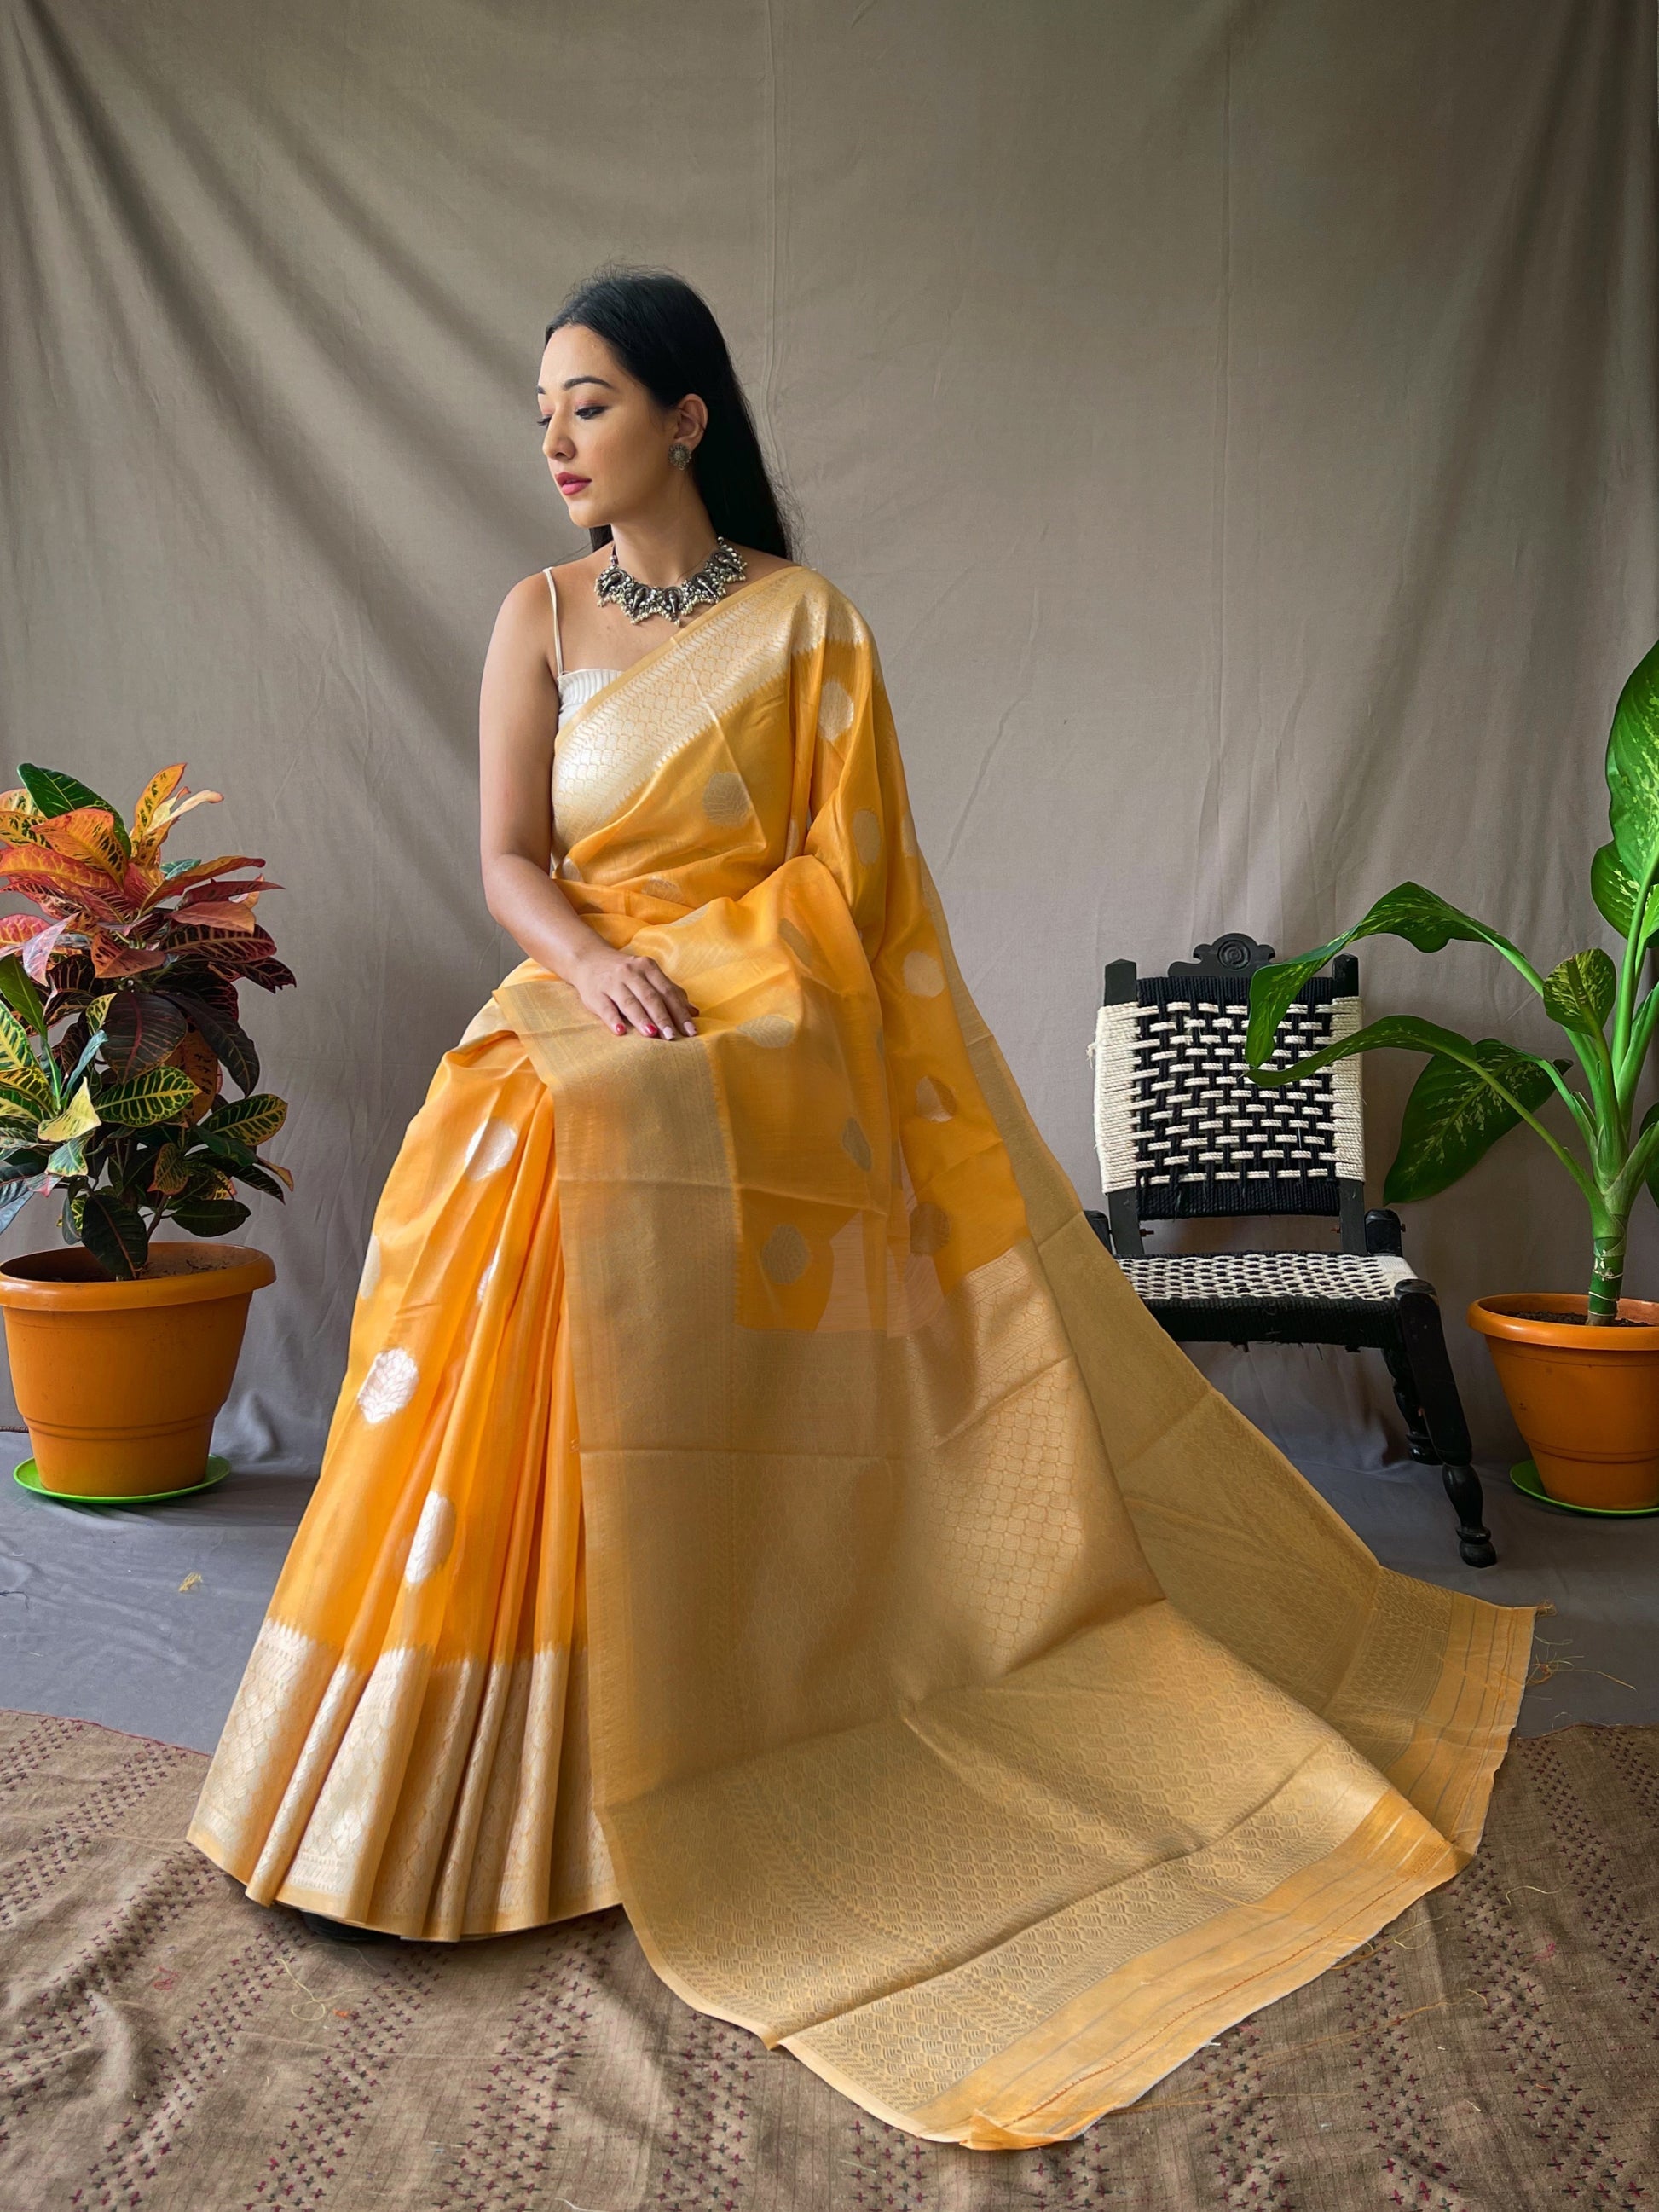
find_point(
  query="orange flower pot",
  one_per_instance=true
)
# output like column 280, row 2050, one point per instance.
column 119, row 1382
column 1585, row 1399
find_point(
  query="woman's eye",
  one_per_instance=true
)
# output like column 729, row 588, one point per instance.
column 542, row 422
column 586, row 411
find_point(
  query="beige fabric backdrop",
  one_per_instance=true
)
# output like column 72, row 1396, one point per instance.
column 1235, row 421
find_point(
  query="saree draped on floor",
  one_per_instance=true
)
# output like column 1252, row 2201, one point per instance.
column 756, row 1495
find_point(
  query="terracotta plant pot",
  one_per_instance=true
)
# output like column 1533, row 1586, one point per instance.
column 119, row 1381
column 1585, row 1399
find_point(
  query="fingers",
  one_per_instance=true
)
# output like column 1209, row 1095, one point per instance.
column 667, row 1011
column 645, row 1000
column 680, row 1010
column 633, row 1005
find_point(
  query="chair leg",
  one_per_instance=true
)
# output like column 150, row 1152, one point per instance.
column 1474, row 1545
column 1423, row 1347
column 1411, row 1407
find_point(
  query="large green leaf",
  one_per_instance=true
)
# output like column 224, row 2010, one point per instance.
column 55, row 793
column 1613, row 890
column 78, row 1119
column 17, row 988
column 1632, row 770
column 17, row 1054
column 1422, row 917
column 1454, row 1117
column 1401, row 1032
column 1579, row 992
column 26, row 1092
column 1652, row 1177
column 254, row 1120
column 139, row 1101
column 88, row 1052
column 220, row 1144
column 16, row 1192
column 112, row 1230
column 257, row 1178
column 18, row 1109
column 209, row 1216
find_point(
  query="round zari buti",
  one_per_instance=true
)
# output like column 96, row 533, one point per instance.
column 786, row 1253
column 434, row 1532
column 769, row 1030
column 388, row 1386
column 726, row 796
column 866, row 836
column 835, row 712
column 935, row 1100
column 923, row 975
column 798, row 941
column 492, row 1146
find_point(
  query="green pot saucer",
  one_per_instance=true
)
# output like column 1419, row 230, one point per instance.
column 1524, row 1475
column 28, row 1475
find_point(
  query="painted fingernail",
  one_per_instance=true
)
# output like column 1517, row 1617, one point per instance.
column 651, row 1029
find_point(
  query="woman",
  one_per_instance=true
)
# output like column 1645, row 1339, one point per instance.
column 755, row 1495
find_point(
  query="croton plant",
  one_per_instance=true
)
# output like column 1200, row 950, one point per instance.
column 119, row 1016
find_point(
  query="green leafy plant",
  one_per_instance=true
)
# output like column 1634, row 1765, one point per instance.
column 120, row 1012
column 1471, row 1092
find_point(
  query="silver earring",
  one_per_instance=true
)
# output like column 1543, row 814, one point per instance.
column 680, row 455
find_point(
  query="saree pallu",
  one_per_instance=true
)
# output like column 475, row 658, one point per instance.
column 757, row 1497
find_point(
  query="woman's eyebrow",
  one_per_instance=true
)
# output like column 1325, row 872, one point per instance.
column 571, row 381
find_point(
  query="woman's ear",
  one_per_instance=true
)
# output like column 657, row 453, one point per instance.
column 690, row 420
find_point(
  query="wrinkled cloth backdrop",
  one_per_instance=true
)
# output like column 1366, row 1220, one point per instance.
column 1235, row 421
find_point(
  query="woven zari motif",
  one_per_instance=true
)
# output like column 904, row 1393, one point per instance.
column 755, row 1494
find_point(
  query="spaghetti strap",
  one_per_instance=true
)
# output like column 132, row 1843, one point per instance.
column 558, row 650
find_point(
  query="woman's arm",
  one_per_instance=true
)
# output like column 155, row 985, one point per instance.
column 517, row 715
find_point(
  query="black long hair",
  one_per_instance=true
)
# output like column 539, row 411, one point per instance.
column 665, row 336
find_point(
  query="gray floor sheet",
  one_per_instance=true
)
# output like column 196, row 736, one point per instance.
column 143, row 1617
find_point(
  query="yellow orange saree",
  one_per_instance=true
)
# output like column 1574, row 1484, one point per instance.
column 756, row 1495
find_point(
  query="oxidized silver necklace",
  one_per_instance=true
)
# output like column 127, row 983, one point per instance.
column 723, row 567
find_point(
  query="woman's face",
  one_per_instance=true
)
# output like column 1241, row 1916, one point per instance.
column 605, row 438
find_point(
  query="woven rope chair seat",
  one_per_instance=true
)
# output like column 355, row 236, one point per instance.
column 1242, row 1278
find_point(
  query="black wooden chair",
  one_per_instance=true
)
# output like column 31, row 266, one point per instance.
column 1183, row 1132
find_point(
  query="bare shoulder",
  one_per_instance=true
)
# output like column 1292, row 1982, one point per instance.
column 529, row 595
column 581, row 570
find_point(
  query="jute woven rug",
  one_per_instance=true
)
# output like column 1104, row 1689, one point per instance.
column 165, row 2043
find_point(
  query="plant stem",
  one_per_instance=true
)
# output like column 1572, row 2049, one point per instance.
column 1607, row 1275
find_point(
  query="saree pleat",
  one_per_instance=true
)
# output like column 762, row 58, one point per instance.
column 771, row 1508
column 399, row 1755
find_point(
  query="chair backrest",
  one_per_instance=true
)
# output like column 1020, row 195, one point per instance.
column 1180, row 1129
